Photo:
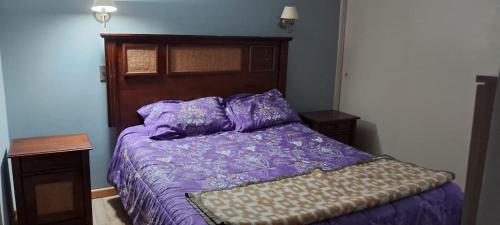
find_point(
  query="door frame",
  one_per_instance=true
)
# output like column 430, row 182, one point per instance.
column 340, row 54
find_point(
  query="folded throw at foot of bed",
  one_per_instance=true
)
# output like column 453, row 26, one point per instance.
column 318, row 195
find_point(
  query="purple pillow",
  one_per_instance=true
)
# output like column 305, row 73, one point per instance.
column 251, row 112
column 155, row 110
column 174, row 119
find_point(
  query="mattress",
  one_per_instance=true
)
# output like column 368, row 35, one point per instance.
column 152, row 177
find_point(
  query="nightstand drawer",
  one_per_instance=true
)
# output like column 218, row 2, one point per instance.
column 343, row 138
column 54, row 197
column 336, row 128
column 51, row 162
column 334, row 124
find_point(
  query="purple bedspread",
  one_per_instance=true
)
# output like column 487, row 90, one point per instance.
column 153, row 176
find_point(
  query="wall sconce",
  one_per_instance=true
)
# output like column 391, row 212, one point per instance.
column 102, row 10
column 288, row 18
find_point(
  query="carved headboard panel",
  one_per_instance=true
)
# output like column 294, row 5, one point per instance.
column 143, row 69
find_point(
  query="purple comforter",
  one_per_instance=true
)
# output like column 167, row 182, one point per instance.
column 153, row 176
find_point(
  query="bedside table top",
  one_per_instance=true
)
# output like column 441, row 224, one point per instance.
column 327, row 116
column 49, row 145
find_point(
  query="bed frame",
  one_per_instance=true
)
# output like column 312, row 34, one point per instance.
column 145, row 68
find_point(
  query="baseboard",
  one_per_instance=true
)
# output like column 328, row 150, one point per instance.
column 103, row 192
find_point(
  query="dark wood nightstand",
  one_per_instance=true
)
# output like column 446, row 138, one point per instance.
column 52, row 180
column 334, row 124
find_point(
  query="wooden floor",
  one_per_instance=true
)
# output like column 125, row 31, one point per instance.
column 109, row 211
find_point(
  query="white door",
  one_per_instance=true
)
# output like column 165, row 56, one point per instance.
column 408, row 71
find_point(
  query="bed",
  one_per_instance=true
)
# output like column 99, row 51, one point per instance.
column 153, row 176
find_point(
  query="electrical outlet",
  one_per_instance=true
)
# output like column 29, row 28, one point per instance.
column 102, row 70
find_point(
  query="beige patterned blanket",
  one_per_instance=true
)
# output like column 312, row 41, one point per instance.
column 318, row 195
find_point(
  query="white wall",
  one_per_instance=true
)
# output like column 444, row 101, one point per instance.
column 490, row 193
column 411, row 66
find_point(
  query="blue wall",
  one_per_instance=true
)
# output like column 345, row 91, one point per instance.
column 52, row 51
column 4, row 144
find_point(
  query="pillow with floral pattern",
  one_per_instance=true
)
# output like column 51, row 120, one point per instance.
column 174, row 119
column 252, row 112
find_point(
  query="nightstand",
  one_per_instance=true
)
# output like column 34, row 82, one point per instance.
column 334, row 124
column 52, row 180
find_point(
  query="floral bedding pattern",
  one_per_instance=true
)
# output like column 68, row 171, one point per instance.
column 174, row 119
column 252, row 112
column 152, row 177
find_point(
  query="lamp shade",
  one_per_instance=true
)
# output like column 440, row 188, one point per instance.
column 290, row 12
column 104, row 6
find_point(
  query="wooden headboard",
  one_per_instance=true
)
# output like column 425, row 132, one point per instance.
column 144, row 68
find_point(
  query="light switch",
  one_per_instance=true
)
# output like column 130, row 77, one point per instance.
column 102, row 70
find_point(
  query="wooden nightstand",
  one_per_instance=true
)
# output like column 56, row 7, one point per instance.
column 52, row 180
column 334, row 124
